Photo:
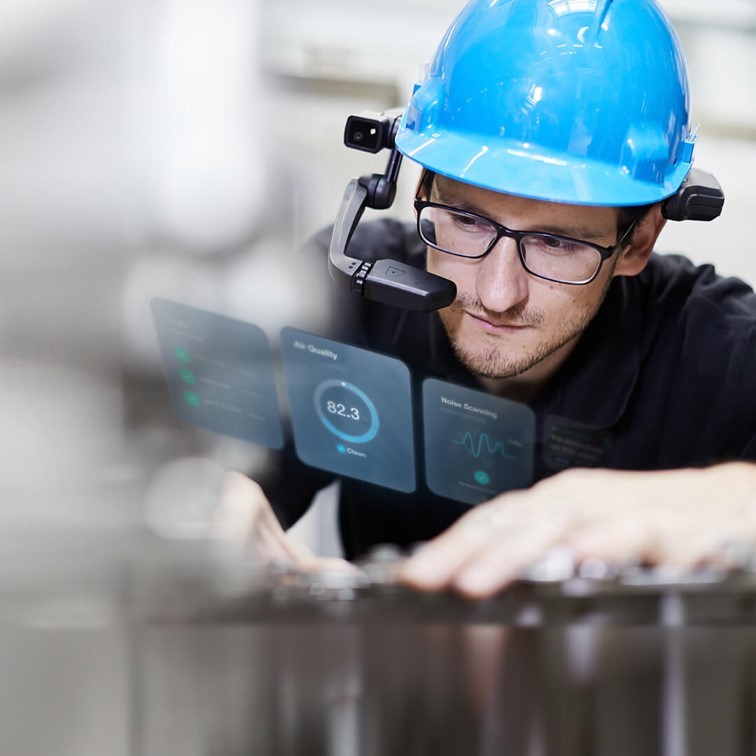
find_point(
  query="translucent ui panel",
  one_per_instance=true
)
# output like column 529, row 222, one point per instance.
column 351, row 410
column 476, row 445
column 219, row 373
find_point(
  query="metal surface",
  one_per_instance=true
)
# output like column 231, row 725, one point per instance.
column 553, row 592
column 201, row 653
column 644, row 662
column 276, row 661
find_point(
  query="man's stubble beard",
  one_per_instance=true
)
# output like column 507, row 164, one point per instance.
column 491, row 361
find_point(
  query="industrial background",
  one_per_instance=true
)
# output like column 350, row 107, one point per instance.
column 186, row 149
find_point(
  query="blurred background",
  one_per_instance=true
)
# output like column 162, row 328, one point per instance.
column 329, row 58
column 186, row 149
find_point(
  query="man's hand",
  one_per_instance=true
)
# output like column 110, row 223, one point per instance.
column 684, row 518
column 246, row 520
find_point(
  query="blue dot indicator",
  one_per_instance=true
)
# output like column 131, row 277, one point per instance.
column 482, row 477
column 341, row 448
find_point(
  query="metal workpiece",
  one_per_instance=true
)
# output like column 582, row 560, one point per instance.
column 205, row 652
column 222, row 588
column 626, row 661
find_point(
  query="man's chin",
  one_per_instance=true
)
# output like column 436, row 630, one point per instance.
column 492, row 366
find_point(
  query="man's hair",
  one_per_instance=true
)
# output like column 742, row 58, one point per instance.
column 625, row 215
column 629, row 215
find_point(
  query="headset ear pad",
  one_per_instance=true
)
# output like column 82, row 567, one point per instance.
column 699, row 198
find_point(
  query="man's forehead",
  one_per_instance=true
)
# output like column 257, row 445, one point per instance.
column 584, row 220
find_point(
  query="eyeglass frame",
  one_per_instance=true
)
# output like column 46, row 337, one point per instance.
column 502, row 231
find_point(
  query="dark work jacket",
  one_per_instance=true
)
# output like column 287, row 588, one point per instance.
column 663, row 377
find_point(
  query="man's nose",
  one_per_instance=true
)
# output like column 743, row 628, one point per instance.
column 501, row 281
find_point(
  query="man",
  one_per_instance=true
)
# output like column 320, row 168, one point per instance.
column 551, row 138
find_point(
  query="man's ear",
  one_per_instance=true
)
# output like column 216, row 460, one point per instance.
column 634, row 256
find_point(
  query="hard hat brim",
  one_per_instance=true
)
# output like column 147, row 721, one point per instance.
column 527, row 171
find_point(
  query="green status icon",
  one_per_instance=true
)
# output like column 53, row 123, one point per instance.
column 482, row 477
column 182, row 354
column 187, row 376
column 192, row 398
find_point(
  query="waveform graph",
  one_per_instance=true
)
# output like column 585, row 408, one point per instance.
column 485, row 459
column 476, row 445
column 483, row 446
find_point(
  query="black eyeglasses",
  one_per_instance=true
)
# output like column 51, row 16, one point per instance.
column 550, row 256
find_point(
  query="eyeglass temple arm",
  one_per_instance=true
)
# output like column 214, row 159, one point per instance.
column 388, row 281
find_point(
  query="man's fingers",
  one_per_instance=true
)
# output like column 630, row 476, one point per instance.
column 719, row 545
column 435, row 564
column 500, row 562
column 618, row 542
column 485, row 550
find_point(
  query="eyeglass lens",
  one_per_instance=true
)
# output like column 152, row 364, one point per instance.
column 546, row 255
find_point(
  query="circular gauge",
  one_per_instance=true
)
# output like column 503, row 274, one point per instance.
column 346, row 411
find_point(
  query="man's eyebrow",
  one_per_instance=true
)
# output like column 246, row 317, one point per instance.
column 582, row 233
column 451, row 200
column 458, row 202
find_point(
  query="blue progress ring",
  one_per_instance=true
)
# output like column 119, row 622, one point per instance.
column 369, row 434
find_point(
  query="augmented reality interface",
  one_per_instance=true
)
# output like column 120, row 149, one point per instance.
column 476, row 445
column 350, row 408
column 219, row 373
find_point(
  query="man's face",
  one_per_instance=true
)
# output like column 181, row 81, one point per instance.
column 506, row 321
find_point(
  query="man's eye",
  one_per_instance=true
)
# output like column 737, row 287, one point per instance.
column 468, row 223
column 553, row 244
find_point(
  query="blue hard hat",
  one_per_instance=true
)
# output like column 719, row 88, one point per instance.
column 579, row 101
